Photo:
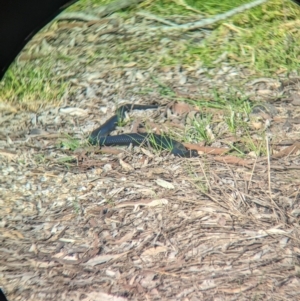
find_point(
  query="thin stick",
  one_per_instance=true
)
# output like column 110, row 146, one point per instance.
column 253, row 168
column 269, row 178
column 204, row 173
column 269, row 165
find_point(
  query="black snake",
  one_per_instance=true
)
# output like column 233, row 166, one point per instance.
column 100, row 136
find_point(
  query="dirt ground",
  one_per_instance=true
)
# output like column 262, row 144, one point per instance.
column 133, row 224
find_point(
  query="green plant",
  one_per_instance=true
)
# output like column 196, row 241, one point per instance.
column 40, row 158
column 200, row 128
column 76, row 205
column 69, row 143
column 26, row 84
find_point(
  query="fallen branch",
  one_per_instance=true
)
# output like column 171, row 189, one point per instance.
column 212, row 20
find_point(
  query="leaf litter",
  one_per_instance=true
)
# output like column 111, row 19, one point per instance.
column 137, row 225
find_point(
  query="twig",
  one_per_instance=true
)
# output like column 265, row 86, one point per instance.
column 214, row 19
column 238, row 193
column 269, row 178
column 208, row 184
column 269, row 165
column 252, row 171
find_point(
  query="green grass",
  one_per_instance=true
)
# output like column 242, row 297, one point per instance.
column 159, row 146
column 70, row 143
column 87, row 4
column 214, row 7
column 234, row 118
column 200, row 129
column 224, row 115
column 264, row 40
column 247, row 38
column 256, row 146
column 33, row 85
column 76, row 205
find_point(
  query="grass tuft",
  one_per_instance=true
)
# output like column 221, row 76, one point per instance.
column 31, row 86
column 262, row 39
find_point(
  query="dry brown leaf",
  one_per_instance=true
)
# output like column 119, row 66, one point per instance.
column 158, row 202
column 296, row 99
column 32, row 56
column 7, row 107
column 164, row 184
column 110, row 150
column 206, row 149
column 234, row 160
column 207, row 284
column 103, row 258
column 181, row 108
column 238, row 290
column 8, row 154
column 125, row 165
column 13, row 234
column 290, row 150
column 68, row 25
column 154, row 251
column 73, row 111
column 130, row 64
column 125, row 238
column 273, row 231
column 99, row 296
column 221, row 220
column 135, row 126
column 147, row 152
column 58, row 233
column 256, row 125
column 42, row 264
column 92, row 37
column 150, row 203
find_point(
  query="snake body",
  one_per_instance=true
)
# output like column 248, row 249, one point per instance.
column 100, row 136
